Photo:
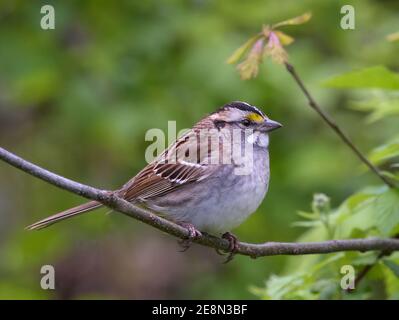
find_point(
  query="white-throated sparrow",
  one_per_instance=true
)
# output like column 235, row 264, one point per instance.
column 210, row 179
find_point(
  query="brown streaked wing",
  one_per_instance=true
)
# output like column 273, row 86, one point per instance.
column 161, row 176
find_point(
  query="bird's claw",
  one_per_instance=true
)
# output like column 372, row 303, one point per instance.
column 220, row 253
column 193, row 233
column 233, row 247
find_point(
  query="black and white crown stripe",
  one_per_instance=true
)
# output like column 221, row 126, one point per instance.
column 242, row 106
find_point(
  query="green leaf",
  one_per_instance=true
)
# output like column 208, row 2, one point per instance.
column 294, row 21
column 391, row 284
column 371, row 209
column 386, row 209
column 308, row 215
column 296, row 286
column 385, row 152
column 373, row 77
column 308, row 284
column 379, row 107
column 306, row 224
column 237, row 54
column 392, row 266
column 391, row 175
column 363, row 259
column 284, row 38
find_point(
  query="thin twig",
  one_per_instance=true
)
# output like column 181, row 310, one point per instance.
column 313, row 104
column 366, row 269
column 110, row 200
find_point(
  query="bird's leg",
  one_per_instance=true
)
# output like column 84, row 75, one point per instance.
column 193, row 233
column 233, row 240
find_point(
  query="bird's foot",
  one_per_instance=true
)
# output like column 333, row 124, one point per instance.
column 220, row 253
column 233, row 241
column 193, row 233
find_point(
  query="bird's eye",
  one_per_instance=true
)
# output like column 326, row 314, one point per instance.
column 246, row 122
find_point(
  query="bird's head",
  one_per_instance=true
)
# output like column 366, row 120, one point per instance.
column 242, row 115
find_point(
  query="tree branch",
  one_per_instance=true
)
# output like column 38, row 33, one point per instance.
column 109, row 199
column 314, row 105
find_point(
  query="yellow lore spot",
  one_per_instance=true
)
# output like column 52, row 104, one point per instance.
column 255, row 117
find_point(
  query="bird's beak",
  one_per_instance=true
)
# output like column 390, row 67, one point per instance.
column 270, row 125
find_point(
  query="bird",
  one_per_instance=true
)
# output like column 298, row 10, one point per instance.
column 211, row 179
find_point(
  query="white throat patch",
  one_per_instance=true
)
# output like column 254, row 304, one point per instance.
column 259, row 139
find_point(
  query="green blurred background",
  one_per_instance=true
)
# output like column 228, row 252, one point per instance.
column 79, row 99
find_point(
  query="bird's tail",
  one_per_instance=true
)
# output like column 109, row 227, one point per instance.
column 88, row 206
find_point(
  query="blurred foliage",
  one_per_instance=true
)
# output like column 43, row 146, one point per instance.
column 373, row 211
column 374, row 77
column 79, row 99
